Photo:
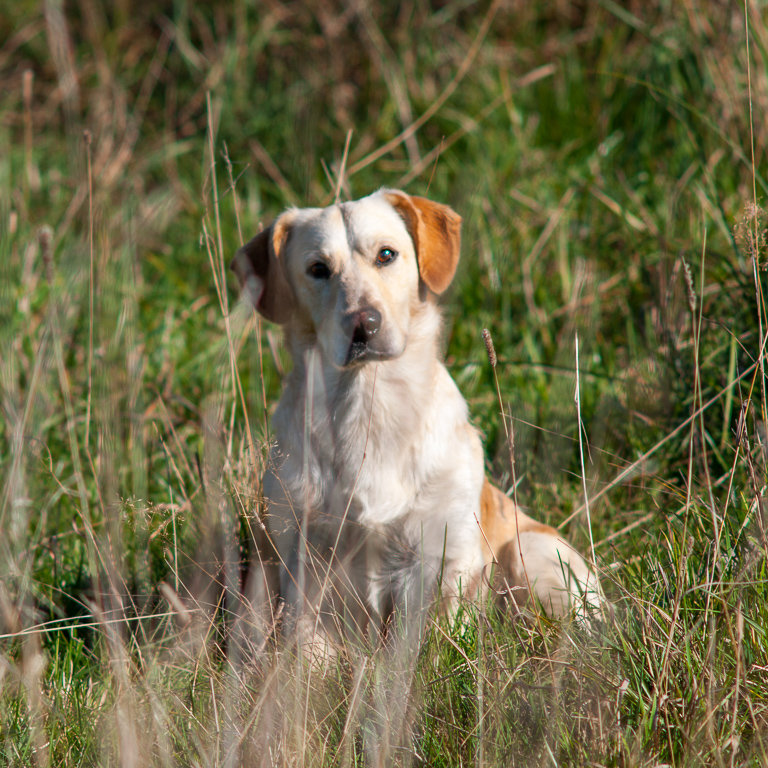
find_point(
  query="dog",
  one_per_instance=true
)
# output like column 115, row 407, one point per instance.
column 377, row 504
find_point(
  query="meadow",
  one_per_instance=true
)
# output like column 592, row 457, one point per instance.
column 609, row 162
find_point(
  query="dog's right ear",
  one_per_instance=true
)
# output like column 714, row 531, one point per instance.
column 436, row 233
column 259, row 268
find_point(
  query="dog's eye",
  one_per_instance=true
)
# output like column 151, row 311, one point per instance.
column 319, row 270
column 385, row 256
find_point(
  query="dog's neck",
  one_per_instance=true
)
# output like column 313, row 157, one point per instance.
column 381, row 401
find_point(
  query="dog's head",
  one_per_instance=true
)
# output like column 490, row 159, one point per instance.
column 350, row 276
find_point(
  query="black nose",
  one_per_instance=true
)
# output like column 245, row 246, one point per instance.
column 362, row 325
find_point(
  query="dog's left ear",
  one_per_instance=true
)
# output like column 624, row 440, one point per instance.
column 436, row 232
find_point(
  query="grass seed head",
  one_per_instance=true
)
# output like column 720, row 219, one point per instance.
column 751, row 233
column 489, row 347
column 691, row 291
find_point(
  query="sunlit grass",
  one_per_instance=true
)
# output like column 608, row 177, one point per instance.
column 609, row 164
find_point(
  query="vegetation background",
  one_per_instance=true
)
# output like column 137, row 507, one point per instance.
column 609, row 160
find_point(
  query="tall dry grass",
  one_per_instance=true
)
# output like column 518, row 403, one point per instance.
column 609, row 162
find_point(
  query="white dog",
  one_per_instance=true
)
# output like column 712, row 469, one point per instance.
column 377, row 500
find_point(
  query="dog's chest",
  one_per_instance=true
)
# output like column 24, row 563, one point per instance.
column 375, row 455
column 387, row 450
column 375, row 445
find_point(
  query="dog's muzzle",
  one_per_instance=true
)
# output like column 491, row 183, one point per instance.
column 362, row 328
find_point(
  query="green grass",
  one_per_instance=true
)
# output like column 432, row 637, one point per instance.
column 601, row 155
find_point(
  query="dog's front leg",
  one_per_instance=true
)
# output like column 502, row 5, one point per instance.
column 413, row 589
column 324, row 572
column 284, row 522
column 306, row 614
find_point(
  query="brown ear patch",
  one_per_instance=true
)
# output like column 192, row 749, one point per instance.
column 260, row 271
column 436, row 233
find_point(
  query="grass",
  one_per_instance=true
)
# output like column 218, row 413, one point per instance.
column 609, row 161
